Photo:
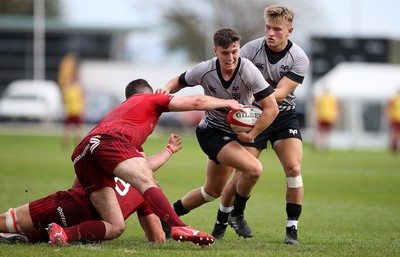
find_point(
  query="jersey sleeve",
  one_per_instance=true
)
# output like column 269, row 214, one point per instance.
column 251, row 49
column 161, row 101
column 300, row 66
column 194, row 76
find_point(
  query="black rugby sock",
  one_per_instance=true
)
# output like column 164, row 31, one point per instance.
column 179, row 209
column 240, row 205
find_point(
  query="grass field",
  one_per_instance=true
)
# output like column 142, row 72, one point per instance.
column 351, row 205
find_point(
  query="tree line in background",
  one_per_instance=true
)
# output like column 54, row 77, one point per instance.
column 26, row 7
column 192, row 23
column 195, row 23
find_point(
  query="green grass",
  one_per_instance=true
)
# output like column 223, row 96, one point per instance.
column 351, row 204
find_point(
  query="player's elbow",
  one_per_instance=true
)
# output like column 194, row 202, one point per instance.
column 274, row 110
column 279, row 99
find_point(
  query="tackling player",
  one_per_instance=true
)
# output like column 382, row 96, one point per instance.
column 113, row 148
column 29, row 222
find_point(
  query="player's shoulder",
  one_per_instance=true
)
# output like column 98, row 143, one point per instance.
column 246, row 63
column 249, row 71
column 208, row 63
column 252, row 47
column 296, row 50
column 258, row 42
column 204, row 66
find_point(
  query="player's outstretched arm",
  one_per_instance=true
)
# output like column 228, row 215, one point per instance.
column 171, row 87
column 202, row 103
column 157, row 160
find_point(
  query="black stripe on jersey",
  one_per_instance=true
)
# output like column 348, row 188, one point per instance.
column 182, row 80
column 224, row 83
column 263, row 93
column 293, row 76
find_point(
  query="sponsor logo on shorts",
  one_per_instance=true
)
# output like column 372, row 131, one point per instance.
column 293, row 131
column 95, row 141
column 81, row 155
column 62, row 216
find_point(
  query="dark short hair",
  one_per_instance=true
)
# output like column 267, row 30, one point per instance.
column 137, row 86
column 225, row 37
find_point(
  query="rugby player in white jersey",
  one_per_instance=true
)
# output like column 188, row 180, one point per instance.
column 226, row 76
column 284, row 65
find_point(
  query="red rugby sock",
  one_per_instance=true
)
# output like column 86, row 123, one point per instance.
column 88, row 231
column 161, row 207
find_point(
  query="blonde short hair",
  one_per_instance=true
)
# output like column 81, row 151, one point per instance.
column 280, row 13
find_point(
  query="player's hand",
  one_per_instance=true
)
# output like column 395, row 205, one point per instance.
column 175, row 142
column 163, row 90
column 235, row 105
column 245, row 137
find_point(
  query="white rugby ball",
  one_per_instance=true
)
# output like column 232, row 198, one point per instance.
column 243, row 121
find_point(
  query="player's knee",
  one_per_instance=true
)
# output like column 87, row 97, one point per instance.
column 294, row 182
column 293, row 171
column 254, row 170
column 117, row 230
column 207, row 197
column 120, row 230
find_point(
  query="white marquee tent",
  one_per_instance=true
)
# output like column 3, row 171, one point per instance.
column 363, row 90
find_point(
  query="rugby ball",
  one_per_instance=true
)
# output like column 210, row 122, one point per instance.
column 243, row 121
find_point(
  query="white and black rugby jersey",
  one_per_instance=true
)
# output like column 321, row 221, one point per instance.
column 246, row 82
column 292, row 62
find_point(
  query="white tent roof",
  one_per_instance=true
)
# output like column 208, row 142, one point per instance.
column 361, row 81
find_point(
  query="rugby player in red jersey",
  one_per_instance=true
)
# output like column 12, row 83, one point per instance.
column 29, row 222
column 113, row 148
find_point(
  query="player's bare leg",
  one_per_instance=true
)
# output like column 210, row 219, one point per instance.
column 145, row 183
column 290, row 154
column 237, row 156
column 228, row 200
column 13, row 223
column 217, row 177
